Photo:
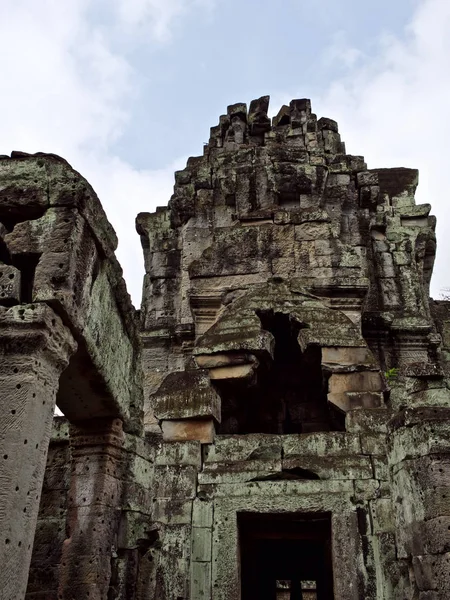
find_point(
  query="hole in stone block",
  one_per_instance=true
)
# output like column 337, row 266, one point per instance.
column 230, row 200
column 26, row 263
column 12, row 215
column 289, row 200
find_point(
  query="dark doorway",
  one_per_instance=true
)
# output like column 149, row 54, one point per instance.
column 286, row 557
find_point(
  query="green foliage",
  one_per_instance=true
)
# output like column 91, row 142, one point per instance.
column 391, row 374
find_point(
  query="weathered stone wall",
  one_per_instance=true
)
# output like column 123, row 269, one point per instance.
column 293, row 366
column 282, row 202
column 276, row 224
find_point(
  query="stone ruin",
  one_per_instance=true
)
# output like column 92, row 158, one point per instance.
column 273, row 423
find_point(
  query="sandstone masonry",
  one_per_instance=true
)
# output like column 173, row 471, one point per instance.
column 273, row 423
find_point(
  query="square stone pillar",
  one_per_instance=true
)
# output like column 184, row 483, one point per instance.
column 94, row 509
column 419, row 457
column 35, row 347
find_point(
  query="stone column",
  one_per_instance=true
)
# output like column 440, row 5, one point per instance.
column 35, row 347
column 95, row 499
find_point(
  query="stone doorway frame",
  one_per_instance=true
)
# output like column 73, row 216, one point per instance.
column 334, row 497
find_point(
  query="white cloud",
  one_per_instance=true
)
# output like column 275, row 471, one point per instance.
column 340, row 53
column 393, row 108
column 156, row 15
column 65, row 90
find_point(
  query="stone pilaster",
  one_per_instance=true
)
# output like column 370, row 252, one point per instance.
column 420, row 469
column 93, row 517
column 35, row 347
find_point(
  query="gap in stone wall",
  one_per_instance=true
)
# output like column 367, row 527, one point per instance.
column 287, row 395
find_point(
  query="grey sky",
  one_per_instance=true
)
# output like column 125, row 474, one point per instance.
column 236, row 51
column 126, row 90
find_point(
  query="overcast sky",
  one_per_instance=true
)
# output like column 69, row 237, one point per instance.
column 126, row 90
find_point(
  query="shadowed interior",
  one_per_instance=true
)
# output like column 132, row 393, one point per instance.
column 285, row 548
column 287, row 395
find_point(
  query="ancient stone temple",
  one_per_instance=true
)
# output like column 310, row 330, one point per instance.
column 274, row 423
